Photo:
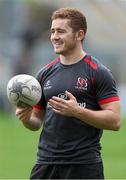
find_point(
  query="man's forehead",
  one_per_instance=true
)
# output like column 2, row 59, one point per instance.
column 58, row 23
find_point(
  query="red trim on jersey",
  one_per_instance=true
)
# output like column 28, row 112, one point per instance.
column 90, row 63
column 38, row 107
column 110, row 99
column 52, row 63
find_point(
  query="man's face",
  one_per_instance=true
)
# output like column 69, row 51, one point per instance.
column 62, row 37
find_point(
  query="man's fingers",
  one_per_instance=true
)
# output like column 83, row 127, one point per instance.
column 22, row 113
column 57, row 111
column 21, row 110
column 56, row 104
column 70, row 96
column 57, row 99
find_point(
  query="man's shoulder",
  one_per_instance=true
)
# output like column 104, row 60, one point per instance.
column 52, row 64
column 100, row 71
column 95, row 64
column 48, row 68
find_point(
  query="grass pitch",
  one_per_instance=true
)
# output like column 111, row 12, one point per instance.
column 18, row 148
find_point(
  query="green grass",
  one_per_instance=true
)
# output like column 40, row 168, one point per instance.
column 18, row 148
column 114, row 153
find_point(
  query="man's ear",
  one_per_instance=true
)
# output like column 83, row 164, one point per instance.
column 80, row 35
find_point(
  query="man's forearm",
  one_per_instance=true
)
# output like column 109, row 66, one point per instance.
column 33, row 123
column 103, row 119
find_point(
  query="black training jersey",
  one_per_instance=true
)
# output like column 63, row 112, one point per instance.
column 68, row 140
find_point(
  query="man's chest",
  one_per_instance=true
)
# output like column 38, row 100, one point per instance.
column 78, row 82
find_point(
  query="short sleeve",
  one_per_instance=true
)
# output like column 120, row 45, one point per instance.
column 106, row 90
column 42, row 103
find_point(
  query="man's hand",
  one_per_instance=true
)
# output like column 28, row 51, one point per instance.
column 23, row 114
column 30, row 117
column 62, row 106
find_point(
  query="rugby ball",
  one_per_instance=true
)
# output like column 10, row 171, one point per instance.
column 24, row 90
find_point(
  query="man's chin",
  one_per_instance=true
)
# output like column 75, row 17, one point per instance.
column 58, row 52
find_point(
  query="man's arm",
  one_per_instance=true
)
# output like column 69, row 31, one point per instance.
column 31, row 118
column 107, row 118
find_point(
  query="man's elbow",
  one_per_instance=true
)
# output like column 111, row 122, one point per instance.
column 34, row 127
column 117, row 124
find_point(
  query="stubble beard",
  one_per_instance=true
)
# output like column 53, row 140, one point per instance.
column 66, row 50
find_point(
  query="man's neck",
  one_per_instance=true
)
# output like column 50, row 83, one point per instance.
column 72, row 58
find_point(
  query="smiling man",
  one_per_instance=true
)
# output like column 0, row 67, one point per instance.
column 78, row 102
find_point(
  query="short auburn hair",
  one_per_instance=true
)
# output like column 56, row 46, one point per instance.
column 77, row 18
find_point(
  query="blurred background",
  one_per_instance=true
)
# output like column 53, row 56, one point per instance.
column 25, row 48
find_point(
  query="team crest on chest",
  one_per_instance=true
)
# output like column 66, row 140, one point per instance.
column 81, row 84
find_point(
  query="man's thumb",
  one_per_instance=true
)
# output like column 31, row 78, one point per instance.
column 69, row 95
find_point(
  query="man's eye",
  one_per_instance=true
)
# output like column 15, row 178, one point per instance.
column 52, row 32
column 58, row 32
column 61, row 31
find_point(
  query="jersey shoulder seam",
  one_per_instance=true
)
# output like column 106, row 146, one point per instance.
column 52, row 63
column 89, row 61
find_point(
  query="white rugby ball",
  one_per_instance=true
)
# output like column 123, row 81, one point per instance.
column 24, row 90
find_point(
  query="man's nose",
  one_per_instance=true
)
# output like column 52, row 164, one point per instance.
column 56, row 36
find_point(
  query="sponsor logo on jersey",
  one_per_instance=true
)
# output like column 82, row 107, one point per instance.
column 47, row 85
column 82, row 104
column 63, row 96
column 81, row 84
